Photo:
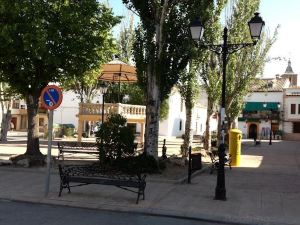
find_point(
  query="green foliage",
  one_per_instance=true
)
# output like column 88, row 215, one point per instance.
column 161, row 51
column 126, row 39
column 245, row 65
column 138, row 164
column 67, row 131
column 189, row 86
column 51, row 41
column 169, row 53
column 164, row 110
column 129, row 93
column 118, row 139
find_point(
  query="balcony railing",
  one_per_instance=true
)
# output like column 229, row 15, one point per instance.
column 128, row 111
column 272, row 116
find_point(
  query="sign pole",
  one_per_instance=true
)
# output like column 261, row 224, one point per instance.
column 51, row 99
column 50, row 126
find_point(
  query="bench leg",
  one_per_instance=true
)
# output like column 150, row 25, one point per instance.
column 62, row 186
column 144, row 191
column 141, row 191
column 138, row 198
column 60, row 189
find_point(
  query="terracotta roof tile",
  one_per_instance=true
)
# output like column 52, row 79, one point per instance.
column 269, row 85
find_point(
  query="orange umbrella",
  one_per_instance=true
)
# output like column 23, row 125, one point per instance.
column 118, row 71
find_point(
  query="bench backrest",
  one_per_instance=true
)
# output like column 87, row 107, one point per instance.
column 77, row 147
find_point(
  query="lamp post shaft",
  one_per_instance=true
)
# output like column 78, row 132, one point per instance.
column 255, row 25
column 220, row 191
column 102, row 111
column 102, row 132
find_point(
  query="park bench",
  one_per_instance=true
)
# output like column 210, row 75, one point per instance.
column 72, row 147
column 93, row 174
column 215, row 161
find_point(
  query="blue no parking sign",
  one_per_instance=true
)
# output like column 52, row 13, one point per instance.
column 51, row 97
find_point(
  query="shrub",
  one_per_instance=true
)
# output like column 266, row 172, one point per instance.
column 118, row 140
column 137, row 164
column 67, row 131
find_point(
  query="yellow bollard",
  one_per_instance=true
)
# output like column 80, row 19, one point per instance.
column 235, row 140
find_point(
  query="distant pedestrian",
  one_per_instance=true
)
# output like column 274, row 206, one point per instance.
column 255, row 137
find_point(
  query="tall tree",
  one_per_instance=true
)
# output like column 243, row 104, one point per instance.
column 6, row 96
column 209, row 65
column 161, row 52
column 189, row 89
column 126, row 39
column 49, row 41
column 244, row 66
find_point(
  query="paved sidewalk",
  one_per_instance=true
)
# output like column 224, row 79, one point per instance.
column 264, row 190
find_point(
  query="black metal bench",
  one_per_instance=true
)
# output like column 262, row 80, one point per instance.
column 76, row 147
column 94, row 174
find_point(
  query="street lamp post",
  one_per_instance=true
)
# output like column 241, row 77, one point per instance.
column 255, row 25
column 271, row 132
column 102, row 90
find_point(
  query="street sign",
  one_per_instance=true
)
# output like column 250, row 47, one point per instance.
column 51, row 97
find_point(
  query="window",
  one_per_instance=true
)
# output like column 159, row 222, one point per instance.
column 298, row 108
column 293, row 108
column 41, row 121
column 296, row 127
column 15, row 105
column 180, row 125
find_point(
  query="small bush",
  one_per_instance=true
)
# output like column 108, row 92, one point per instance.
column 69, row 132
column 118, row 139
column 137, row 164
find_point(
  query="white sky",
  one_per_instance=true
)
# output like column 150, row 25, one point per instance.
column 286, row 13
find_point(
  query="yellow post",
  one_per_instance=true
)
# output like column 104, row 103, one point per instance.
column 235, row 140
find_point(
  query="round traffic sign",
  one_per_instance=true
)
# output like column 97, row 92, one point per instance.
column 51, row 97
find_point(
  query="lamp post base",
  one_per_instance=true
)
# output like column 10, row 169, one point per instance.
column 220, row 194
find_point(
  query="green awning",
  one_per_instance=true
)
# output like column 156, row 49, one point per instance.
column 259, row 106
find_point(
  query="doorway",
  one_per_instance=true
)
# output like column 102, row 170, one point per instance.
column 252, row 130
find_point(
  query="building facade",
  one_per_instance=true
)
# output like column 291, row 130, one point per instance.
column 273, row 107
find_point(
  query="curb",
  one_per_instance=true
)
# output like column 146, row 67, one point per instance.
column 224, row 220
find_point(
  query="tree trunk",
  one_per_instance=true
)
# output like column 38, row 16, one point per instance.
column 33, row 144
column 6, row 118
column 188, row 135
column 152, row 114
column 32, row 156
column 207, row 139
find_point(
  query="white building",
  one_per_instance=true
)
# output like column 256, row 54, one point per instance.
column 67, row 111
column 174, row 125
column 291, row 110
column 273, row 105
